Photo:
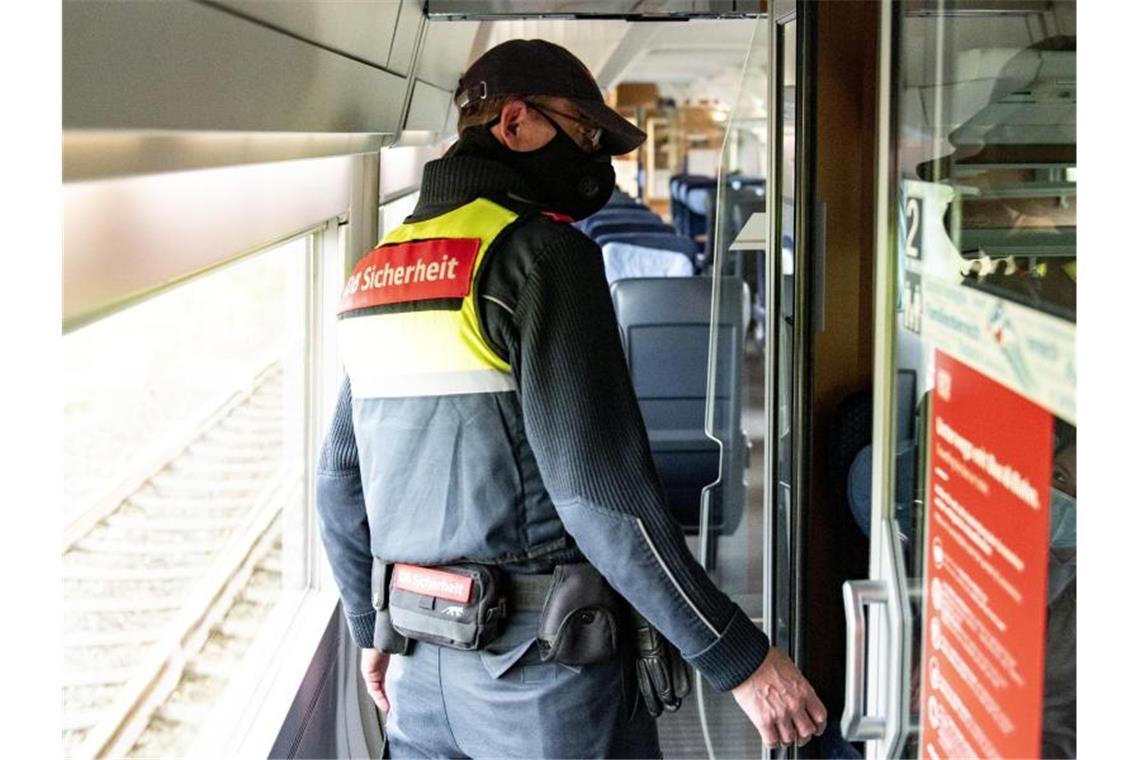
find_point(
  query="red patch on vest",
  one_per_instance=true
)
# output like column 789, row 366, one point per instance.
column 437, row 583
column 558, row 217
column 418, row 271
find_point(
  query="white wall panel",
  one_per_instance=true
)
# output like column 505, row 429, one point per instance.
column 407, row 32
column 360, row 29
column 401, row 168
column 446, row 49
column 124, row 238
column 429, row 106
column 184, row 66
column 100, row 153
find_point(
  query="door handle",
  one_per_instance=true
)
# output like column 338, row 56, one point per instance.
column 855, row 723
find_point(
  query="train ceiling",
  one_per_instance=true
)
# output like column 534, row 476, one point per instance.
column 691, row 61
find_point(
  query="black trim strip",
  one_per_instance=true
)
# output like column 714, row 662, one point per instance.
column 431, row 304
column 525, row 214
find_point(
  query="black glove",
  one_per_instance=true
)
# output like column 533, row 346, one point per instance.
column 662, row 674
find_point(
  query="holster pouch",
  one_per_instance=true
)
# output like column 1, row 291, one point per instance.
column 384, row 636
column 460, row 606
column 579, row 624
column 662, row 674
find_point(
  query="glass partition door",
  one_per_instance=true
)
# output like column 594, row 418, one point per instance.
column 733, row 525
column 971, row 648
column 758, row 353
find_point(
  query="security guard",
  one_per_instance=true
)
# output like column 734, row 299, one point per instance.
column 487, row 459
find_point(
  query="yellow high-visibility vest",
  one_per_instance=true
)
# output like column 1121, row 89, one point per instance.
column 408, row 323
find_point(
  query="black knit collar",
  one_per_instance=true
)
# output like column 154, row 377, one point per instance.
column 469, row 170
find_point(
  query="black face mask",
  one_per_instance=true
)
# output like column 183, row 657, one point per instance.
column 570, row 181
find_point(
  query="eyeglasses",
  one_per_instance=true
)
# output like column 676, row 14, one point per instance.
column 591, row 133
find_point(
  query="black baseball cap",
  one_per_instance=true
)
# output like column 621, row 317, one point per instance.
column 538, row 67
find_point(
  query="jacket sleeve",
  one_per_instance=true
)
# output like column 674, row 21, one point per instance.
column 584, row 425
column 344, row 522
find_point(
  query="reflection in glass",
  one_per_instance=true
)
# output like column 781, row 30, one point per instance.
column 985, row 154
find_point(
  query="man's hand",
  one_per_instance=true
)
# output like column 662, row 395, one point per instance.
column 781, row 703
column 373, row 666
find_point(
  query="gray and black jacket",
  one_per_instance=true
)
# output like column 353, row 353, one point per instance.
column 552, row 468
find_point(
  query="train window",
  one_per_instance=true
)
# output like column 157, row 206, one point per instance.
column 187, row 445
column 393, row 213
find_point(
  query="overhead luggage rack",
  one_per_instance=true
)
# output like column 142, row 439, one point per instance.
column 629, row 10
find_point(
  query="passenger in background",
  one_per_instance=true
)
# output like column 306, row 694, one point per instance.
column 1059, row 719
column 487, row 454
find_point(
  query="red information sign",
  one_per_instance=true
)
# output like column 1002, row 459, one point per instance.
column 438, row 583
column 417, row 271
column 987, row 565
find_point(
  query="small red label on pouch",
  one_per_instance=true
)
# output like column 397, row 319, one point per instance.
column 558, row 217
column 418, row 271
column 437, row 583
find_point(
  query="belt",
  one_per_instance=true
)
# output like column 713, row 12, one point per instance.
column 528, row 592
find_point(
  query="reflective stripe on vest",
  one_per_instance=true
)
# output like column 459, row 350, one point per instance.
column 408, row 324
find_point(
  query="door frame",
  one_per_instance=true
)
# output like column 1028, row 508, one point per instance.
column 888, row 645
column 803, row 14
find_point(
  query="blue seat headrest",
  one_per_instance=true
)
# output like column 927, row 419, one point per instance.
column 669, row 241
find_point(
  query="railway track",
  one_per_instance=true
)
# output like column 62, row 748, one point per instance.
column 165, row 588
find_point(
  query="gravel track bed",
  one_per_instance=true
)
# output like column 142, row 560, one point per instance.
column 191, row 700
column 88, row 697
column 142, row 535
column 111, row 657
column 79, row 560
column 80, row 588
column 116, row 621
column 172, row 527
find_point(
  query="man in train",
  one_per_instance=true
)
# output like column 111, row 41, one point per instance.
column 486, row 483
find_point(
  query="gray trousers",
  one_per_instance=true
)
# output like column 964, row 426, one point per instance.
column 505, row 702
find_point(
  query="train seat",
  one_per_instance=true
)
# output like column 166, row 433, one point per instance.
column 620, row 199
column 683, row 212
column 679, row 185
column 740, row 181
column 646, row 224
column 664, row 240
column 636, row 216
column 699, row 204
column 664, row 324
column 620, row 211
column 625, row 260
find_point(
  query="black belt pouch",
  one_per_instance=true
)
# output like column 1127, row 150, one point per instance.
column 457, row 606
column 579, row 622
column 384, row 636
